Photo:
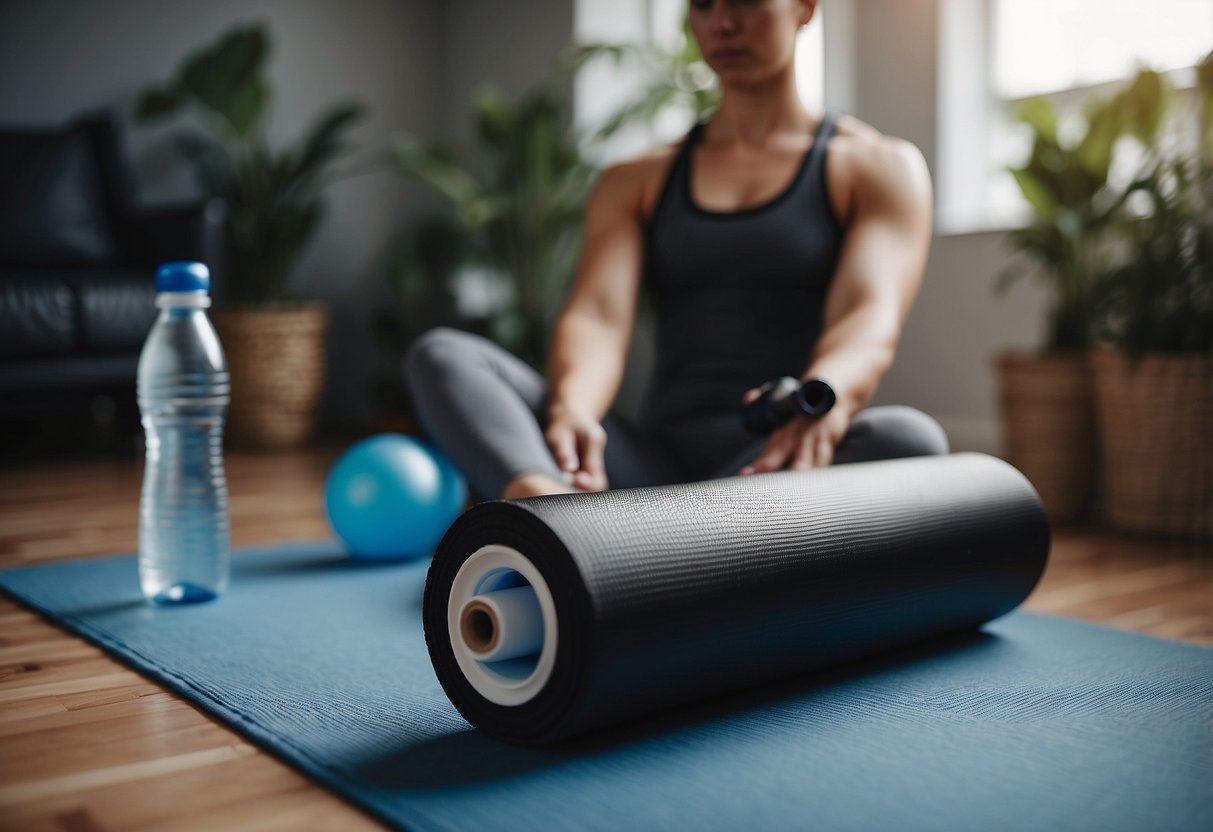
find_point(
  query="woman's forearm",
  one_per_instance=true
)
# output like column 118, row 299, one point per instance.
column 586, row 363
column 855, row 352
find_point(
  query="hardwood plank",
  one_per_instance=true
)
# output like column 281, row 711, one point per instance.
column 72, row 747
column 138, row 700
column 53, row 652
column 167, row 795
column 107, row 775
column 95, row 681
column 304, row 810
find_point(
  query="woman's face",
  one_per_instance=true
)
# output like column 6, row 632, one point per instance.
column 748, row 41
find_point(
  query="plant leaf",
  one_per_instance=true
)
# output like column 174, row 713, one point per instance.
column 245, row 106
column 227, row 78
column 1034, row 191
column 1105, row 124
column 1204, row 79
column 1040, row 115
column 1143, row 105
column 492, row 116
column 157, row 102
column 323, row 143
column 411, row 158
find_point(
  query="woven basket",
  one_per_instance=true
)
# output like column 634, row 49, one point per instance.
column 1156, row 428
column 276, row 358
column 1049, row 428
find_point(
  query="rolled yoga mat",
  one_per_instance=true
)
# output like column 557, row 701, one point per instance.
column 549, row 617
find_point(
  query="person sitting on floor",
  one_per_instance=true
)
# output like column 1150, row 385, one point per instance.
column 773, row 241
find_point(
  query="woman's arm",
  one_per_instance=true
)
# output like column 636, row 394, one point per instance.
column 590, row 342
column 877, row 278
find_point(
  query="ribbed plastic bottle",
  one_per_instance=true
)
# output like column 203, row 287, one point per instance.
column 183, row 391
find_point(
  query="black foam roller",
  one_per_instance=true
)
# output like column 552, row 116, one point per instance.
column 670, row 594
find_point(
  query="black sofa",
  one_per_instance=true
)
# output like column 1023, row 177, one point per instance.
column 77, row 265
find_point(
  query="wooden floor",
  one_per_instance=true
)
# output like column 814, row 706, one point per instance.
column 87, row 745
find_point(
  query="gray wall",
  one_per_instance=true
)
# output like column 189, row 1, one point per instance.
column 895, row 60
column 509, row 43
column 945, row 363
column 412, row 62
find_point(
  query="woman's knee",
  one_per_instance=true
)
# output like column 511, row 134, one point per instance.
column 900, row 431
column 433, row 347
column 436, row 352
column 915, row 433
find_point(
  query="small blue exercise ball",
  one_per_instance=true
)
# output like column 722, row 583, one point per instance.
column 392, row 496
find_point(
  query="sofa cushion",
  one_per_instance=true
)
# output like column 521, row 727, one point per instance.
column 74, row 373
column 37, row 315
column 117, row 309
column 52, row 210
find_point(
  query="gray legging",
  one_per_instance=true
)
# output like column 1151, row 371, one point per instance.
column 486, row 409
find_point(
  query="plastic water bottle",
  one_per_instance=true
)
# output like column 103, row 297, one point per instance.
column 183, row 391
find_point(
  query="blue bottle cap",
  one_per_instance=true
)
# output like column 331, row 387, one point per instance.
column 183, row 276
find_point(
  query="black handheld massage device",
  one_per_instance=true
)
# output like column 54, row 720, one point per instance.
column 784, row 398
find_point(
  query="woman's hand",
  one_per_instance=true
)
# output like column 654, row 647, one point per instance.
column 801, row 443
column 577, row 442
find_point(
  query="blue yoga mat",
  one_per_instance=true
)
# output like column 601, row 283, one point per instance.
column 1033, row 723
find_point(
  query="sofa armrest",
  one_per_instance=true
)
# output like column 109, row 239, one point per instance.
column 189, row 231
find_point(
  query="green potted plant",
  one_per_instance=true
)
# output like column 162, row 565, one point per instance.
column 517, row 208
column 514, row 228
column 1046, row 395
column 274, row 344
column 1154, row 372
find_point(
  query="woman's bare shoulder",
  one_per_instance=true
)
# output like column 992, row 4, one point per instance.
column 858, row 139
column 636, row 182
column 865, row 162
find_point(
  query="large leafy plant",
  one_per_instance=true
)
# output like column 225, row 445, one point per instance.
column 1159, row 296
column 273, row 194
column 517, row 202
column 516, row 207
column 1075, row 205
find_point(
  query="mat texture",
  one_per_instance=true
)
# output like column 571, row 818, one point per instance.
column 1035, row 723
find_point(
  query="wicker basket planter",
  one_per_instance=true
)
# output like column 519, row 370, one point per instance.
column 1156, row 429
column 276, row 358
column 1049, row 428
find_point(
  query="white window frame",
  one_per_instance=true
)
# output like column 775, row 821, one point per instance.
column 971, row 118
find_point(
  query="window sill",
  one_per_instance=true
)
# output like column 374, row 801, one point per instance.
column 990, row 223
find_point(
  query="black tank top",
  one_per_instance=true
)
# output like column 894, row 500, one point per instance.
column 738, row 295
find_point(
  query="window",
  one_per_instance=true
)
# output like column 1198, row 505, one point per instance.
column 994, row 53
column 810, row 66
column 1043, row 46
